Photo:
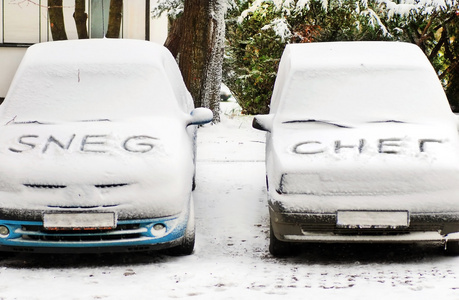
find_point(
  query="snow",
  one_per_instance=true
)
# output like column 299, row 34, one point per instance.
column 173, row 8
column 280, row 27
column 231, row 259
column 405, row 8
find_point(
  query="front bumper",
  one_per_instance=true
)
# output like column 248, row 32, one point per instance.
column 323, row 227
column 128, row 236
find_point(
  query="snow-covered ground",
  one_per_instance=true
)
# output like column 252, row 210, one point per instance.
column 231, row 259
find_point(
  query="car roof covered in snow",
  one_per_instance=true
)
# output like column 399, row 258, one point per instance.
column 382, row 80
column 338, row 55
column 96, row 51
column 115, row 75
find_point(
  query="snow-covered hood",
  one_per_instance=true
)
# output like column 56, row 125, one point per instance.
column 329, row 159
column 144, row 166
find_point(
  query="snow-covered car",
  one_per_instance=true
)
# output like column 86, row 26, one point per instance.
column 97, row 150
column 361, row 146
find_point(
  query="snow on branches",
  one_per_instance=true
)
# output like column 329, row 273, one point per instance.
column 174, row 8
column 374, row 11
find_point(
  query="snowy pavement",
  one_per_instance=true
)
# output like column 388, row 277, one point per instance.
column 231, row 259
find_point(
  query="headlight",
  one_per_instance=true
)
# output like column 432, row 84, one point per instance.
column 4, row 231
column 158, row 230
column 299, row 184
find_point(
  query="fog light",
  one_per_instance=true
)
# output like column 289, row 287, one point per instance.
column 158, row 229
column 4, row 231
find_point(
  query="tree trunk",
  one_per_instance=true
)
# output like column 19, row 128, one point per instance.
column 56, row 20
column 200, row 34
column 174, row 36
column 213, row 72
column 193, row 46
column 114, row 19
column 81, row 17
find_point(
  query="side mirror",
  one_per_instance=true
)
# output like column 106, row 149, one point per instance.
column 200, row 116
column 263, row 122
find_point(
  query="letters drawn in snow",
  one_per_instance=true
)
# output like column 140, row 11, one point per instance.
column 90, row 143
column 383, row 146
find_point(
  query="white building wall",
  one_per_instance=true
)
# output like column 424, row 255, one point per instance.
column 158, row 30
column 134, row 20
column 9, row 61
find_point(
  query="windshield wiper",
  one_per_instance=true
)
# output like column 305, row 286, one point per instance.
column 316, row 121
column 29, row 122
column 12, row 122
column 95, row 120
column 388, row 121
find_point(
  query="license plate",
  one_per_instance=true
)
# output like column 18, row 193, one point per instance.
column 372, row 219
column 83, row 221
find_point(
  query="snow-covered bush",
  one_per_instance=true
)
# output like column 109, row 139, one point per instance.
column 252, row 56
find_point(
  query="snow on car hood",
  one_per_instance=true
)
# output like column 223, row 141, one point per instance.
column 378, row 158
column 142, row 166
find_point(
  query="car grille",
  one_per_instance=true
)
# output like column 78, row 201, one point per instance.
column 315, row 228
column 122, row 232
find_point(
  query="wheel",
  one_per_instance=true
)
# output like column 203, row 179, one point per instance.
column 280, row 248
column 187, row 245
column 452, row 248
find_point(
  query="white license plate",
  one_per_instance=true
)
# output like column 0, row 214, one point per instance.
column 63, row 221
column 368, row 219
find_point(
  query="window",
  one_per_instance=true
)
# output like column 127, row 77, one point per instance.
column 27, row 21
column 99, row 18
column 21, row 21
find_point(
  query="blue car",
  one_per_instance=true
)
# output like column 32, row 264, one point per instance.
column 97, row 148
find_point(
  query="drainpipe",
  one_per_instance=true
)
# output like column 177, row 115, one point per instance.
column 147, row 20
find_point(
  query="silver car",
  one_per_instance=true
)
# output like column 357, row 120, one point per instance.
column 361, row 147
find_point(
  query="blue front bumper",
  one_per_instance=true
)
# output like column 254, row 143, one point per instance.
column 129, row 235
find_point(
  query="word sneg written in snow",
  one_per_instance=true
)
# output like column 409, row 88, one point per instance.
column 86, row 143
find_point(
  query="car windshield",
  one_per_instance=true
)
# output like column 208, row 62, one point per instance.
column 89, row 92
column 349, row 97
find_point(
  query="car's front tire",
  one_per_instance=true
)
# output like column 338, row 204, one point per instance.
column 186, row 247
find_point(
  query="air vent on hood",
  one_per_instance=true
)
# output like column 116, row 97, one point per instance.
column 110, row 185
column 44, row 186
